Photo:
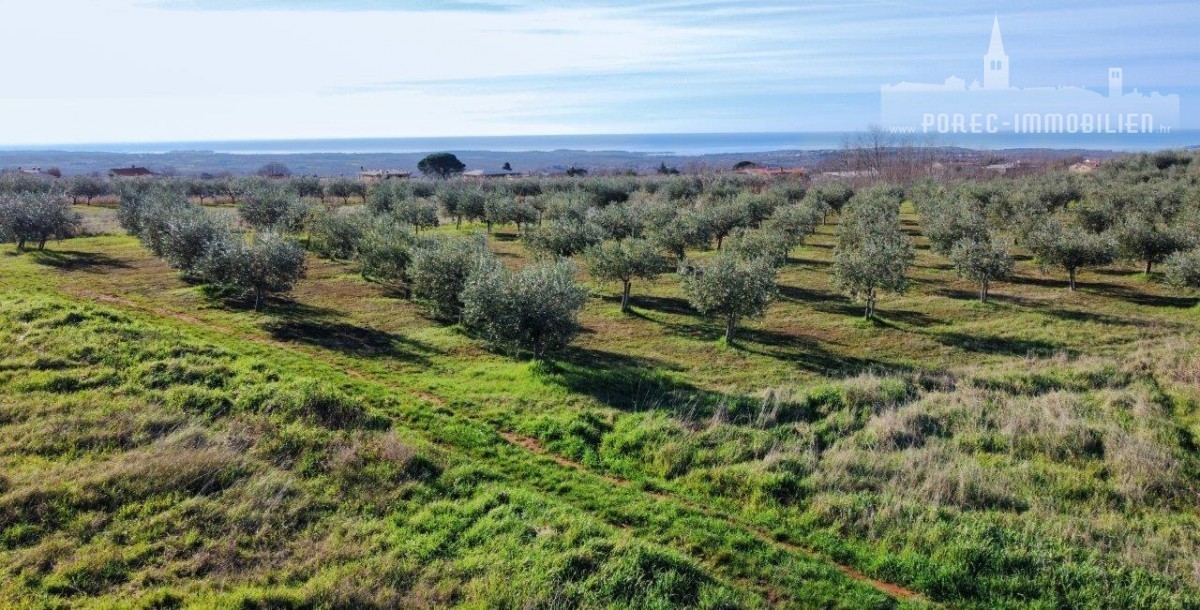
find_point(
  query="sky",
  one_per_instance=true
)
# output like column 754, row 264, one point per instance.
column 82, row 71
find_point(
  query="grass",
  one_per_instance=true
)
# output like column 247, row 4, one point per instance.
column 341, row 448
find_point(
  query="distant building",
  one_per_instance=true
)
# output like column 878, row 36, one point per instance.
column 774, row 171
column 37, row 171
column 379, row 175
column 132, row 171
column 481, row 174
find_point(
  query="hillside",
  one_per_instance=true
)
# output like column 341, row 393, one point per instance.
column 163, row 446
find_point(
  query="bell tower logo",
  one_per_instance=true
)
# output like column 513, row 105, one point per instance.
column 995, row 106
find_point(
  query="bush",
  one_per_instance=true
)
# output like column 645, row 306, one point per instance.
column 625, row 260
column 534, row 310
column 730, row 288
column 440, row 270
column 36, row 218
column 269, row 263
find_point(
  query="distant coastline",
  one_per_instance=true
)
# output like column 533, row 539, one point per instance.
column 677, row 144
column 638, row 152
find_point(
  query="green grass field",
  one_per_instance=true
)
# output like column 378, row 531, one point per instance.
column 161, row 448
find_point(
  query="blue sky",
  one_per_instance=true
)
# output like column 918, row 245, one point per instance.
column 173, row 70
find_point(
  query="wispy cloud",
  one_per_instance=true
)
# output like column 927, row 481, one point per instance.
column 179, row 69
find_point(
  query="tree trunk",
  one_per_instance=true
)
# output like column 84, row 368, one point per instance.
column 983, row 291
column 719, row 240
column 625, row 297
column 730, row 324
column 1071, row 277
column 42, row 244
column 258, row 299
column 458, row 223
column 1149, row 265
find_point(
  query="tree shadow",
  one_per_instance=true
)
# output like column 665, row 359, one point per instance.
column 906, row 317
column 671, row 305
column 630, row 383
column 324, row 328
column 1006, row 346
column 74, row 260
column 997, row 297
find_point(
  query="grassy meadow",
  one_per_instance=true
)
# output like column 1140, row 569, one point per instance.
column 164, row 448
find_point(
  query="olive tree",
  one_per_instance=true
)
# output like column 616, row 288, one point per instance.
column 729, row 288
column 440, row 269
column 87, row 187
column 273, row 206
column 1070, row 247
column 873, row 255
column 334, row 235
column 797, row 220
column 981, row 262
column 35, row 218
column 385, row 250
column 416, row 213
column 720, row 219
column 1183, row 269
column 187, row 235
column 269, row 263
column 563, row 238
column 626, row 260
column 1144, row 239
column 749, row 244
column 308, row 186
column 345, row 188
column 534, row 310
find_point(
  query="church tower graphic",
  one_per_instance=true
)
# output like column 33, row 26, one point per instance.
column 995, row 63
column 995, row 106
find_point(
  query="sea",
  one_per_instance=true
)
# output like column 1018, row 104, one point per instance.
column 682, row 144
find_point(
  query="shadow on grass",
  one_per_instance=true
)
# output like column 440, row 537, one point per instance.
column 74, row 260
column 631, row 383
column 324, row 328
column 1006, row 346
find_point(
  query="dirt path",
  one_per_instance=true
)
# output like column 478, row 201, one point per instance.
column 529, row 444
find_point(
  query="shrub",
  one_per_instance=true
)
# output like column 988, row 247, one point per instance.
column 624, row 260
column 730, row 289
column 533, row 310
column 440, row 270
column 981, row 262
column 36, row 218
column 268, row 263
